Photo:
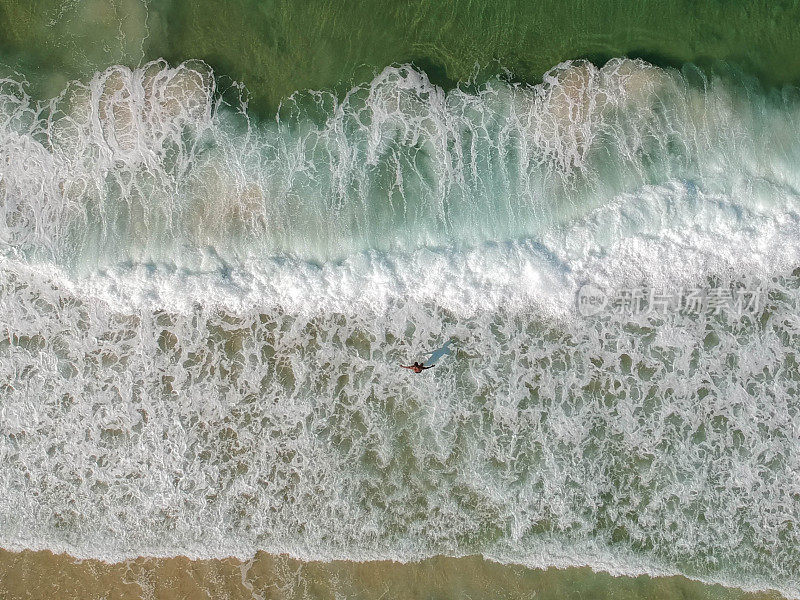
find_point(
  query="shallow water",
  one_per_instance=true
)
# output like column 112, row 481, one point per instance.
column 191, row 371
column 35, row 575
column 203, row 313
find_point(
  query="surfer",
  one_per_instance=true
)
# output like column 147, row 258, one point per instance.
column 417, row 367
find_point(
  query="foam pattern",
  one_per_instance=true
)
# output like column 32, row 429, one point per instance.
column 202, row 318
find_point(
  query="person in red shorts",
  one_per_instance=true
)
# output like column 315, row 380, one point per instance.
column 417, row 367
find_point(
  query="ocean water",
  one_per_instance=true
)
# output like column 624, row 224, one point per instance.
column 203, row 314
column 279, row 46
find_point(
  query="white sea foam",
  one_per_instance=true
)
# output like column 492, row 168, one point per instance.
column 202, row 318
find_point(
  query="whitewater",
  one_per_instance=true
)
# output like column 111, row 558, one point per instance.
column 202, row 314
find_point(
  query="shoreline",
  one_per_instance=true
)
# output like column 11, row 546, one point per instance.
column 42, row 574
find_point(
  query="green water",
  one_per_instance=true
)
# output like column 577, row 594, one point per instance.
column 277, row 47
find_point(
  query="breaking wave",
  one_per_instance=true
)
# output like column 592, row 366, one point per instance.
column 202, row 317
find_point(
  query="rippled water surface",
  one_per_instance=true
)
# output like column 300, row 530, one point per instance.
column 203, row 312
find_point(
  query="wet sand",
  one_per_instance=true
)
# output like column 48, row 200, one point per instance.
column 33, row 575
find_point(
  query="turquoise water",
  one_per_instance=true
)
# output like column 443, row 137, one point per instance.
column 203, row 314
column 204, row 318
